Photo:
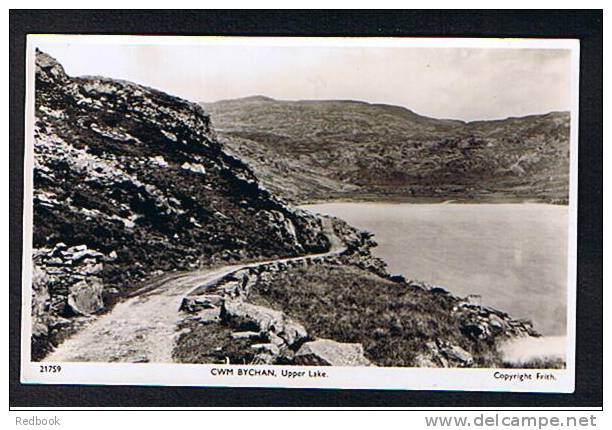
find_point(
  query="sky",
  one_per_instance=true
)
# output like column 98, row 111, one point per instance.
column 457, row 83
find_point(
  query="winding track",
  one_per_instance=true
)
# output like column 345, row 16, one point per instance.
column 143, row 328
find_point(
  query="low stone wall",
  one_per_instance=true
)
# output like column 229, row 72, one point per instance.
column 67, row 288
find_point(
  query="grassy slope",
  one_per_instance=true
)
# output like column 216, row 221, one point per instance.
column 347, row 304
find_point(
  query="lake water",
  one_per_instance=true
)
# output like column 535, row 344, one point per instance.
column 513, row 255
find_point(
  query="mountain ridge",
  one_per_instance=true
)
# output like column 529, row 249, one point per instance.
column 264, row 98
column 334, row 149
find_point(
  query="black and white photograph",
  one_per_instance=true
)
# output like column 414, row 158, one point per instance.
column 394, row 213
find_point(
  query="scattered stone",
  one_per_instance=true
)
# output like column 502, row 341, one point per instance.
column 245, row 335
column 423, row 361
column 268, row 348
column 277, row 340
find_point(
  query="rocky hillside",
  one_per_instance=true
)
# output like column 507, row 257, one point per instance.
column 322, row 150
column 130, row 182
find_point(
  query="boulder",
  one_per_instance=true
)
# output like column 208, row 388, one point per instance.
column 397, row 278
column 276, row 340
column 326, row 352
column 195, row 304
column 80, row 252
column 59, row 247
column 417, row 285
column 438, row 290
column 59, row 323
column 292, row 332
column 207, row 316
column 77, row 248
column 56, row 261
column 87, row 253
column 496, row 323
column 457, row 354
column 247, row 316
column 85, row 297
column 476, row 330
column 267, row 353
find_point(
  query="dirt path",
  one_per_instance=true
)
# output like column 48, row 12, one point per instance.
column 142, row 328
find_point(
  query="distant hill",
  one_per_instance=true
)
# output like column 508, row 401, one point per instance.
column 342, row 149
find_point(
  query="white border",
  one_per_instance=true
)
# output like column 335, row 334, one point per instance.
column 338, row 377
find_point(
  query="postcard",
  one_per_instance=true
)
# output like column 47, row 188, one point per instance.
column 358, row 213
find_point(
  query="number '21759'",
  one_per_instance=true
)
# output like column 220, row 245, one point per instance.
column 51, row 368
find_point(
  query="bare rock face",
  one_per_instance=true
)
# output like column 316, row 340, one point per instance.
column 85, row 297
column 130, row 181
column 326, row 352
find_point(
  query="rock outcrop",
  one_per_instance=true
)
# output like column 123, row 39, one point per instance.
column 139, row 177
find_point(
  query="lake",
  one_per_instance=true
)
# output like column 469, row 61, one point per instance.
column 513, row 255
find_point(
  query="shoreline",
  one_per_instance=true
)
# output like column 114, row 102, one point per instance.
column 429, row 200
column 432, row 202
